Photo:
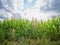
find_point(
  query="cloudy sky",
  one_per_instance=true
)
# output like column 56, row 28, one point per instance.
column 28, row 9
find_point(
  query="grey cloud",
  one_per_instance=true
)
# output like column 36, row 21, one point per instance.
column 7, row 7
column 55, row 6
column 1, row 5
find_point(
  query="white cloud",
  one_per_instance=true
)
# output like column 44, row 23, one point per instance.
column 36, row 14
column 30, row 12
column 18, row 4
column 29, row 1
column 39, row 3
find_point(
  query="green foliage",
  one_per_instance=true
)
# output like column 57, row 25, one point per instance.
column 16, row 29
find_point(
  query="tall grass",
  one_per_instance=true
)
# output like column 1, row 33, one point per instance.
column 14, row 30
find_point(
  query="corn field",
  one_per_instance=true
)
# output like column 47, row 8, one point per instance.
column 16, row 29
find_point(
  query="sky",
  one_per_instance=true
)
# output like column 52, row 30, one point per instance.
column 28, row 9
